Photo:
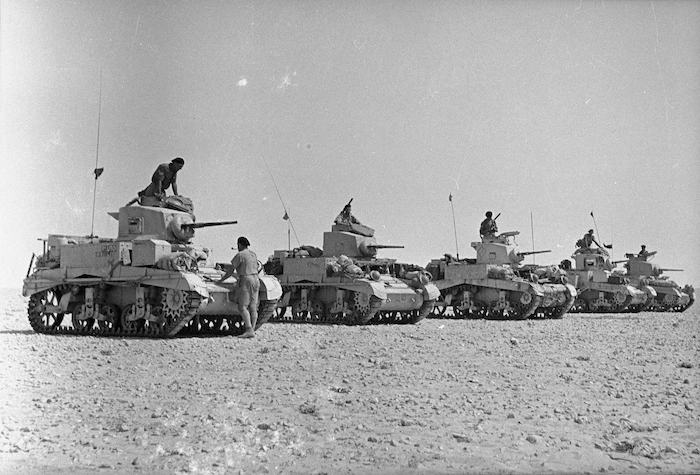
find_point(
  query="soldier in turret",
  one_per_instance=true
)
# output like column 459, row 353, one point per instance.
column 245, row 266
column 488, row 227
column 643, row 253
column 345, row 216
column 163, row 178
column 587, row 241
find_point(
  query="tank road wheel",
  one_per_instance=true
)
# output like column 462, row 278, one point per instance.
column 41, row 320
column 580, row 306
column 210, row 323
column 109, row 317
column 128, row 322
column 439, row 309
column 279, row 312
column 298, row 315
column 460, row 312
column 80, row 323
column 317, row 311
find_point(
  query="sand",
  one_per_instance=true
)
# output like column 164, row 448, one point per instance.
column 592, row 393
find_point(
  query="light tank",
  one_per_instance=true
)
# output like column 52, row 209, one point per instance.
column 346, row 283
column 148, row 281
column 670, row 297
column 495, row 285
column 601, row 290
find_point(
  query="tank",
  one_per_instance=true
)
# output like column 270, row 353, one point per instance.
column 496, row 286
column 670, row 297
column 346, row 283
column 148, row 281
column 600, row 289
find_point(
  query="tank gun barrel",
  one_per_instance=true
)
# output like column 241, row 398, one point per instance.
column 621, row 260
column 529, row 253
column 671, row 270
column 384, row 246
column 207, row 224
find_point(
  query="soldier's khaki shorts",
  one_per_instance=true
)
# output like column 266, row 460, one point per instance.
column 248, row 288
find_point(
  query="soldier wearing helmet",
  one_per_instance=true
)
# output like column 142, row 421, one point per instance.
column 488, row 227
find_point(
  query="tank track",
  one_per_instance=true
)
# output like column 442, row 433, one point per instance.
column 556, row 312
column 408, row 317
column 582, row 306
column 519, row 311
column 227, row 325
column 683, row 308
column 363, row 318
column 169, row 330
column 187, row 324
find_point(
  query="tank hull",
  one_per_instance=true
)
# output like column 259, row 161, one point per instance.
column 594, row 297
column 311, row 295
column 138, row 301
column 495, row 292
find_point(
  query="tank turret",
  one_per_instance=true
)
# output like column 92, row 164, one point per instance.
column 353, row 240
column 169, row 223
column 501, row 250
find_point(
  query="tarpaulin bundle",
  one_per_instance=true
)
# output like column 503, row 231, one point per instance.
column 177, row 261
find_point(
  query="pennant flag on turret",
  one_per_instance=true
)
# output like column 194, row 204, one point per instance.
column 450, row 196
column 98, row 172
column 286, row 216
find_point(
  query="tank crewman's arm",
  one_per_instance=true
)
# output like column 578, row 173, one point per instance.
column 173, row 183
column 235, row 262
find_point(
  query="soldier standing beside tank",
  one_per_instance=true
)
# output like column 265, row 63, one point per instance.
column 488, row 227
column 163, row 178
column 245, row 265
column 345, row 216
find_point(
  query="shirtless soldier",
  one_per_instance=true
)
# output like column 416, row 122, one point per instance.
column 245, row 266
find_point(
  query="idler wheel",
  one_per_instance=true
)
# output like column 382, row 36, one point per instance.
column 41, row 320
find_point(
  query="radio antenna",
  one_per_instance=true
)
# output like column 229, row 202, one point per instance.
column 454, row 225
column 532, row 231
column 286, row 216
column 98, row 171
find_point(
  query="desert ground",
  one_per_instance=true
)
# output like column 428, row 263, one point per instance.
column 592, row 393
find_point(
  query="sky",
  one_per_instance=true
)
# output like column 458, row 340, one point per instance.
column 560, row 115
